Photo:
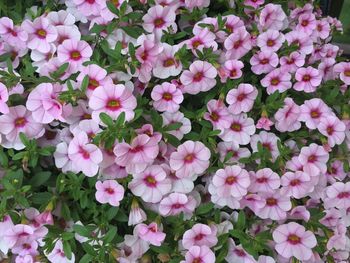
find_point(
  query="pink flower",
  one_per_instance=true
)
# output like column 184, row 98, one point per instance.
column 148, row 52
column 97, row 77
column 18, row 120
column 335, row 172
column 199, row 78
column 85, row 156
column 151, row 184
column 169, row 118
column 150, row 233
column 240, row 130
column 203, row 39
column 338, row 195
column 293, row 241
column 13, row 35
column 166, row 97
column 303, row 41
column 175, row 203
column 75, row 52
column 191, row 158
column 136, row 214
column 167, row 64
column 231, row 181
column 307, row 23
column 109, row 192
column 273, row 17
column 343, row 69
column 271, row 40
column 201, row 254
column 268, row 140
column 323, row 29
column 40, row 34
column 264, row 180
column 292, row 62
column 61, row 18
column 297, row 184
column 238, row 44
column 113, row 100
column 264, row 62
column 277, row 80
column 314, row 159
column 312, row 111
column 57, row 254
column 236, row 253
column 218, row 115
column 90, row 7
column 159, row 18
column 5, row 225
column 276, row 206
column 241, row 99
column 333, row 128
column 308, row 79
column 138, row 155
column 232, row 147
column 190, row 4
column 232, row 69
column 200, row 235
column 43, row 102
column 264, row 123
column 254, row 3
column 287, row 118
column 4, row 96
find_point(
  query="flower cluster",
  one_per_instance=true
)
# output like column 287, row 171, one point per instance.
column 173, row 131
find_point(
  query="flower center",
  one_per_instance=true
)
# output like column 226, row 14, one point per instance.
column 214, row 116
column 236, row 127
column 169, row 62
column 167, row 96
column 90, row 1
column 306, row 78
column 198, row 76
column 75, row 55
column 330, row 130
column 347, row 73
column 240, row 252
column 312, row 158
column 41, row 33
column 237, row 44
column 197, row 260
column 113, row 105
column 230, row 180
column 136, row 149
column 293, row 239
column 109, row 190
column 12, row 32
column 150, row 181
column 271, row 201
column 267, row 145
column 177, row 206
column 264, row 61
column 262, row 180
column 275, row 81
column 295, row 182
column 233, row 73
column 93, row 84
column 270, row 43
column 144, row 55
column 86, row 116
column 305, row 23
column 196, row 43
column 315, row 114
column 20, row 122
column 343, row 195
column 189, row 158
column 84, row 153
column 199, row 237
column 159, row 22
column 241, row 97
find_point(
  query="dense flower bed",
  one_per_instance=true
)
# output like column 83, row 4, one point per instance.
column 190, row 131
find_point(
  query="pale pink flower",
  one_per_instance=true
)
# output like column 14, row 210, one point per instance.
column 314, row 159
column 217, row 114
column 232, row 147
column 203, row 39
column 326, row 69
column 169, row 118
column 75, row 52
column 292, row 240
column 241, row 99
column 231, row 181
column 231, row 69
column 44, row 104
column 297, row 184
column 148, row 51
column 340, row 239
column 343, row 69
column 264, row 123
column 199, row 78
column 264, row 180
column 159, row 18
column 90, row 7
column 308, row 79
column 148, row 130
column 200, row 235
column 299, row 213
column 277, row 80
column 113, row 100
column 166, row 97
column 18, row 120
column 40, row 34
column 201, row 254
column 16, row 235
column 335, row 172
column 58, row 255
column 333, row 128
column 273, row 17
column 167, row 64
column 136, row 214
column 270, row 40
column 303, row 41
column 84, row 155
column 61, row 18
column 292, row 62
column 238, row 44
column 264, row 62
column 312, row 112
column 97, row 77
column 306, row 23
column 232, row 24
column 175, row 203
column 151, row 184
column 268, row 140
column 5, row 225
column 240, row 130
column 338, row 195
column 67, row 32
column 190, row 4
column 191, row 158
column 109, row 191
column 287, row 118
column 107, row 15
column 12, row 35
column 322, row 30
column 138, row 155
column 4, row 96
column 236, row 253
column 276, row 206
column 150, row 233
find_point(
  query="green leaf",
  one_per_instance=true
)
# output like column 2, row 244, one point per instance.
column 110, row 235
column 204, row 208
column 81, row 230
column 133, row 31
column 121, row 119
column 214, row 133
column 39, row 178
column 60, row 71
column 24, row 139
column 89, row 249
column 67, row 249
column 86, row 259
column 85, row 83
column 173, row 126
column 106, row 119
column 112, row 8
column 241, row 221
